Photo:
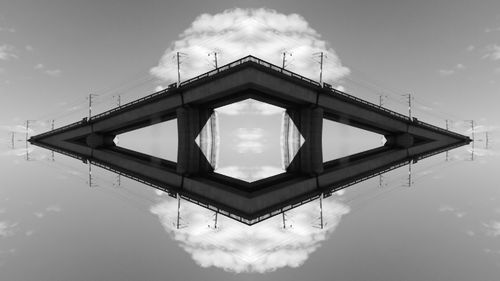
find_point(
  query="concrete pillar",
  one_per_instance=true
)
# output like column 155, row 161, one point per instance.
column 190, row 158
column 95, row 140
column 309, row 159
column 401, row 140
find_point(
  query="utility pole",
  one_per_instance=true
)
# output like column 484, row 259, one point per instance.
column 380, row 100
column 321, row 210
column 28, row 128
column 447, row 128
column 284, row 220
column 409, row 104
column 215, row 59
column 90, row 104
column 179, row 55
column 409, row 174
column 90, row 174
column 321, row 56
column 472, row 128
column 118, row 100
column 178, row 210
column 12, row 139
column 284, row 58
column 215, row 219
column 486, row 144
column 52, row 151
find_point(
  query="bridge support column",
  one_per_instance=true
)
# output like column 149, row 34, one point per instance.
column 402, row 140
column 190, row 159
column 95, row 140
column 309, row 159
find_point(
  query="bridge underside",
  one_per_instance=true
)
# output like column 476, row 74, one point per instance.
column 306, row 103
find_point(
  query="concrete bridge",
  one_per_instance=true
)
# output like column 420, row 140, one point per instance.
column 307, row 103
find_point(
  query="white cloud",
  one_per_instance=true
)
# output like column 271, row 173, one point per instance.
column 263, row 247
column 39, row 215
column 7, row 29
column 53, row 208
column 470, row 48
column 236, row 33
column 493, row 52
column 53, row 72
column 250, row 106
column 446, row 208
column 18, row 151
column 492, row 228
column 250, row 174
column 7, row 229
column 249, row 140
column 488, row 30
column 446, row 72
column 29, row 48
column 16, row 128
column 7, row 52
column 50, row 72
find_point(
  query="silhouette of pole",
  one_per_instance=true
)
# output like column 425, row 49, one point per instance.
column 321, row 209
column 178, row 210
column 90, row 104
column 284, row 58
column 178, row 55
column 321, row 55
column 215, row 59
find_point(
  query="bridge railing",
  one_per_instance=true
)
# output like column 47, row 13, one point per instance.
column 262, row 63
column 106, row 113
column 372, row 105
column 76, row 124
column 415, row 120
column 249, row 59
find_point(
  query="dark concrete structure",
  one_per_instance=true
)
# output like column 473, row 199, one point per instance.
column 306, row 101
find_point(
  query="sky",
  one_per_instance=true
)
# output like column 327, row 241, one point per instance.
column 54, row 53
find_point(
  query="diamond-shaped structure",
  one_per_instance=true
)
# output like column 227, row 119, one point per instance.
column 249, row 140
column 307, row 103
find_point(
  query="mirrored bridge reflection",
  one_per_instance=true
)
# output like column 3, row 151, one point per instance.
column 192, row 176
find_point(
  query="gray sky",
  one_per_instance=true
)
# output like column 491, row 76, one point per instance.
column 441, row 51
column 54, row 53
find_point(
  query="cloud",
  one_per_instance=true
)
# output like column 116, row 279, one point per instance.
column 448, row 72
column 18, row 151
column 488, row 30
column 236, row 33
column 493, row 52
column 7, row 29
column 492, row 228
column 249, row 140
column 53, row 72
column 250, row 106
column 7, row 229
column 7, row 52
column 50, row 72
column 470, row 48
column 16, row 128
column 39, row 215
column 29, row 48
column 250, row 174
column 263, row 247
column 446, row 208
column 53, row 208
